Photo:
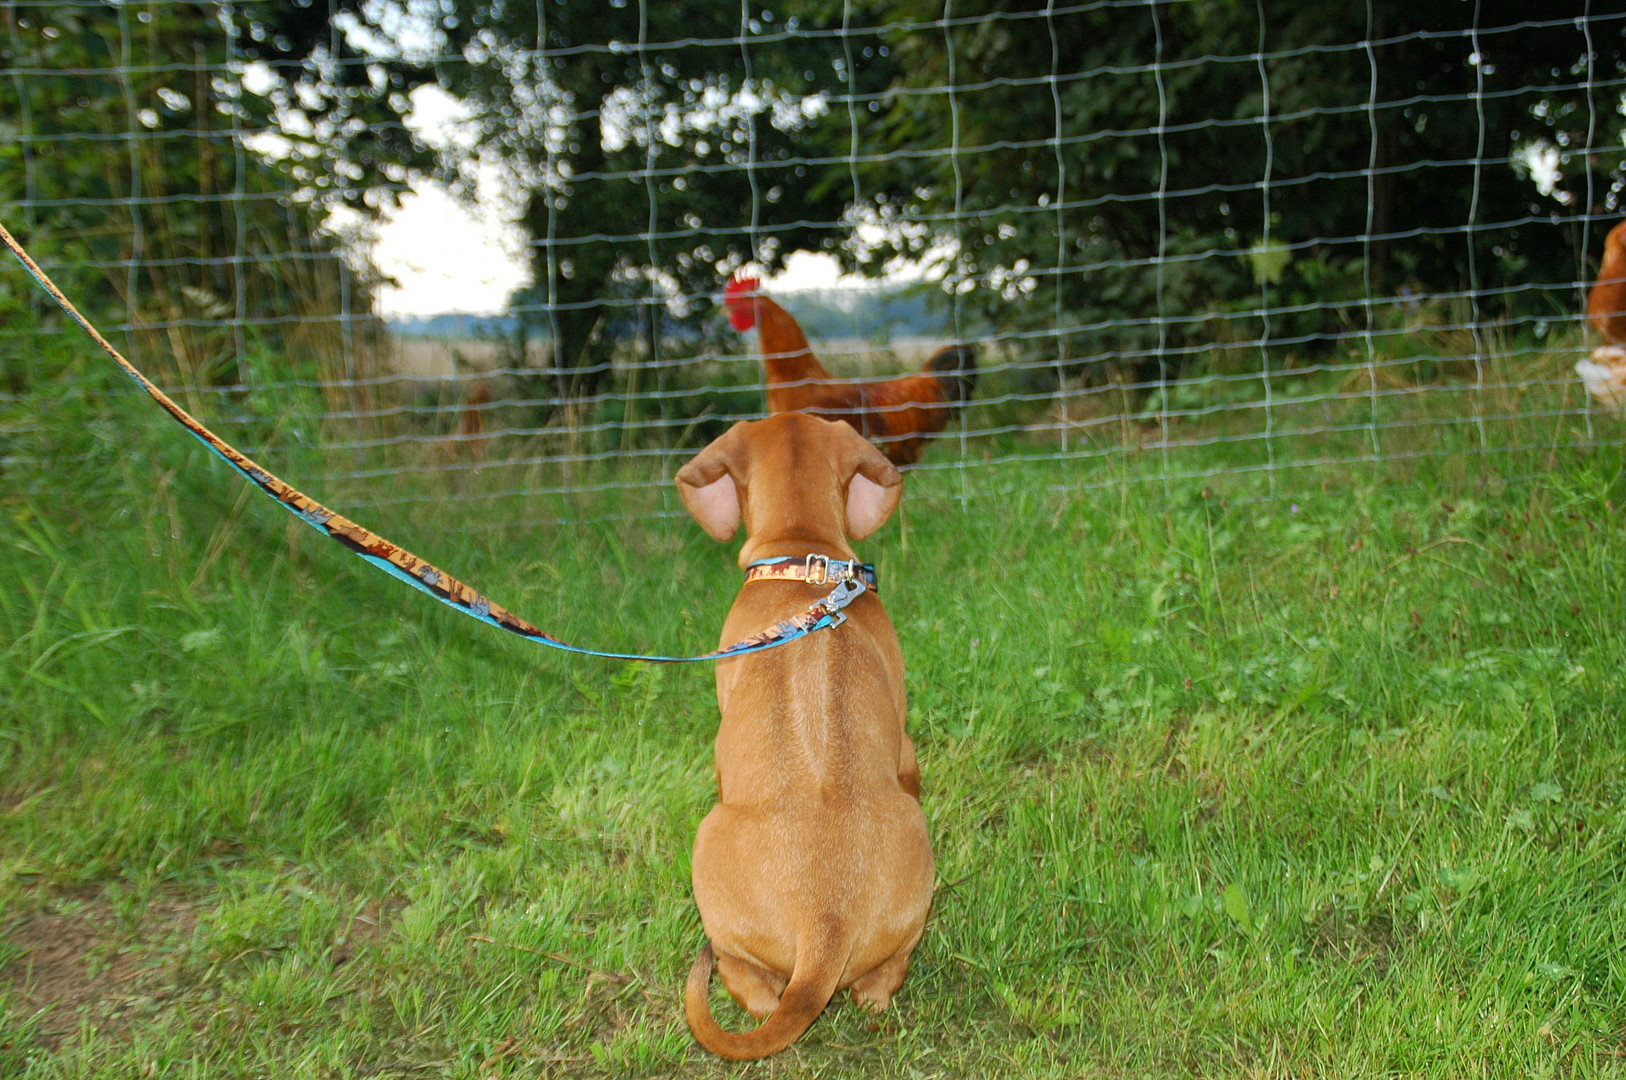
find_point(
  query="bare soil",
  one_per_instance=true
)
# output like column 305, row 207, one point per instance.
column 81, row 963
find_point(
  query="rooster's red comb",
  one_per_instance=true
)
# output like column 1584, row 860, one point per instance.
column 742, row 314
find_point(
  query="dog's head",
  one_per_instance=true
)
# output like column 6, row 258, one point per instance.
column 791, row 477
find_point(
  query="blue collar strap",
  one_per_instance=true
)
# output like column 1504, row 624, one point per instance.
column 402, row 564
column 814, row 569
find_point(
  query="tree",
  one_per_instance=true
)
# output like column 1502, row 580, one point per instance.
column 661, row 146
column 1129, row 182
column 177, row 162
column 1182, row 161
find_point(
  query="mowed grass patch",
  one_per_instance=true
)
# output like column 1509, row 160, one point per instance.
column 1220, row 784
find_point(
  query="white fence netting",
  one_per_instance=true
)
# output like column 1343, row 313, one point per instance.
column 1183, row 240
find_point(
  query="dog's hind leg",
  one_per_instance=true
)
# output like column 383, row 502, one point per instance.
column 756, row 989
column 909, row 768
column 874, row 991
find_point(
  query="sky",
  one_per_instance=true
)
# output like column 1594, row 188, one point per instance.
column 447, row 256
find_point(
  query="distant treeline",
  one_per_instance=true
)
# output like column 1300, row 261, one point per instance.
column 455, row 326
column 869, row 314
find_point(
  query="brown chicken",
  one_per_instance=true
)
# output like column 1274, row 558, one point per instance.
column 899, row 415
column 1605, row 373
column 471, row 438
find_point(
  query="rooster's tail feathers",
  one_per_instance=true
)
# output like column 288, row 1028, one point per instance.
column 957, row 367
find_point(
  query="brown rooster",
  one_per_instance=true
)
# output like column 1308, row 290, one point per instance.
column 899, row 414
column 1605, row 373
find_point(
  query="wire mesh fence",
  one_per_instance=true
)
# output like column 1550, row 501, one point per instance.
column 1182, row 241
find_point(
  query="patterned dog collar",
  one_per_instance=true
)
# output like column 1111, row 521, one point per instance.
column 813, row 569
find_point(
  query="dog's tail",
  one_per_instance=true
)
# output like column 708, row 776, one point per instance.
column 820, row 960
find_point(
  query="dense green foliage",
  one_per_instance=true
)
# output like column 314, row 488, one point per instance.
column 1265, row 150
column 134, row 163
column 1136, row 181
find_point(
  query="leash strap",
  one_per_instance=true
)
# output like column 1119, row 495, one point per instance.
column 401, row 563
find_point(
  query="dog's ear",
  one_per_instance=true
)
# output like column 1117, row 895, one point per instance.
column 874, row 490
column 707, row 483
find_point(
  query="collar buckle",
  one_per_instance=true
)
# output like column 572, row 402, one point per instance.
column 829, row 571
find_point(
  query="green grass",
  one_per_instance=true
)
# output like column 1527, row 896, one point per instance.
column 1223, row 782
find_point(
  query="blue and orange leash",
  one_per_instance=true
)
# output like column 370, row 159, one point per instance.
column 420, row 574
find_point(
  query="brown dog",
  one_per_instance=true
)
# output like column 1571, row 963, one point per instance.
column 814, row 871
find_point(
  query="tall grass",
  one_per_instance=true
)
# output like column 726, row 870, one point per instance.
column 1221, row 784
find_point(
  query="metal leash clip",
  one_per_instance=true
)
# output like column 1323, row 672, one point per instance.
column 842, row 595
